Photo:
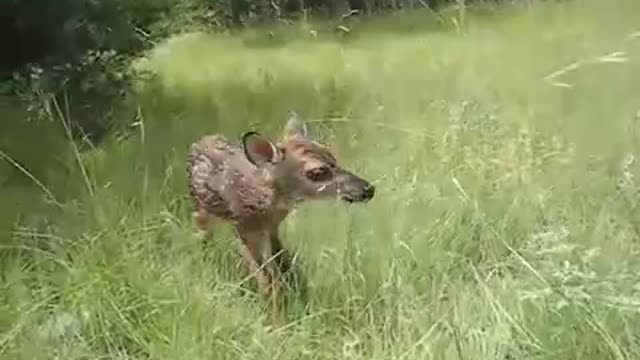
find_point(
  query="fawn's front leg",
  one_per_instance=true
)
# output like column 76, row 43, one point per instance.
column 287, row 272
column 254, row 242
column 278, row 251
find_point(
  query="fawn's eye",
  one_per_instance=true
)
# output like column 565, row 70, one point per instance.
column 320, row 174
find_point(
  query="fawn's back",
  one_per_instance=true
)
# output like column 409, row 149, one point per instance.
column 225, row 183
column 261, row 180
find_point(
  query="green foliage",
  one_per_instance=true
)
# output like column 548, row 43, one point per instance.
column 76, row 51
column 504, row 226
column 82, row 53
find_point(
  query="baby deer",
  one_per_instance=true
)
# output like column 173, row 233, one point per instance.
column 256, row 186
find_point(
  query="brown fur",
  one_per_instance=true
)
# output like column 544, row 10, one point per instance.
column 256, row 186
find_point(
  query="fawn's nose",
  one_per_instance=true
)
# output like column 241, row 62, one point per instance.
column 368, row 192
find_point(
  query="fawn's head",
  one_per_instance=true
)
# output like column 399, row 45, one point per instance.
column 301, row 168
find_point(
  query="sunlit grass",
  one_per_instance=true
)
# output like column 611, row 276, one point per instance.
column 505, row 223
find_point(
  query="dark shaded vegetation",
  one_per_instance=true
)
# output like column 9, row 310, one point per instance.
column 78, row 51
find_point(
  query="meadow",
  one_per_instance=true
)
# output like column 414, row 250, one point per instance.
column 505, row 224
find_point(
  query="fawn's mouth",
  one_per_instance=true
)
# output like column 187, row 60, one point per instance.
column 347, row 199
column 363, row 197
column 351, row 200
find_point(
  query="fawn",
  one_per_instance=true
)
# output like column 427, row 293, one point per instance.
column 254, row 187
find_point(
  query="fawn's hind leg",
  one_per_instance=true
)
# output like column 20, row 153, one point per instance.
column 203, row 220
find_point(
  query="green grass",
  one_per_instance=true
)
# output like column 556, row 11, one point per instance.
column 505, row 224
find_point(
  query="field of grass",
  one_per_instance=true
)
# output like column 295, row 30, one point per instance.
column 505, row 224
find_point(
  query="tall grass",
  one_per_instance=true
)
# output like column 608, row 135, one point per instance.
column 505, row 224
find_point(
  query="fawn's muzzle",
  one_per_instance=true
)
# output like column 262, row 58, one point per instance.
column 356, row 189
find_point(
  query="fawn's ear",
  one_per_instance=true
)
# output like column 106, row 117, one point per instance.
column 258, row 149
column 295, row 126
